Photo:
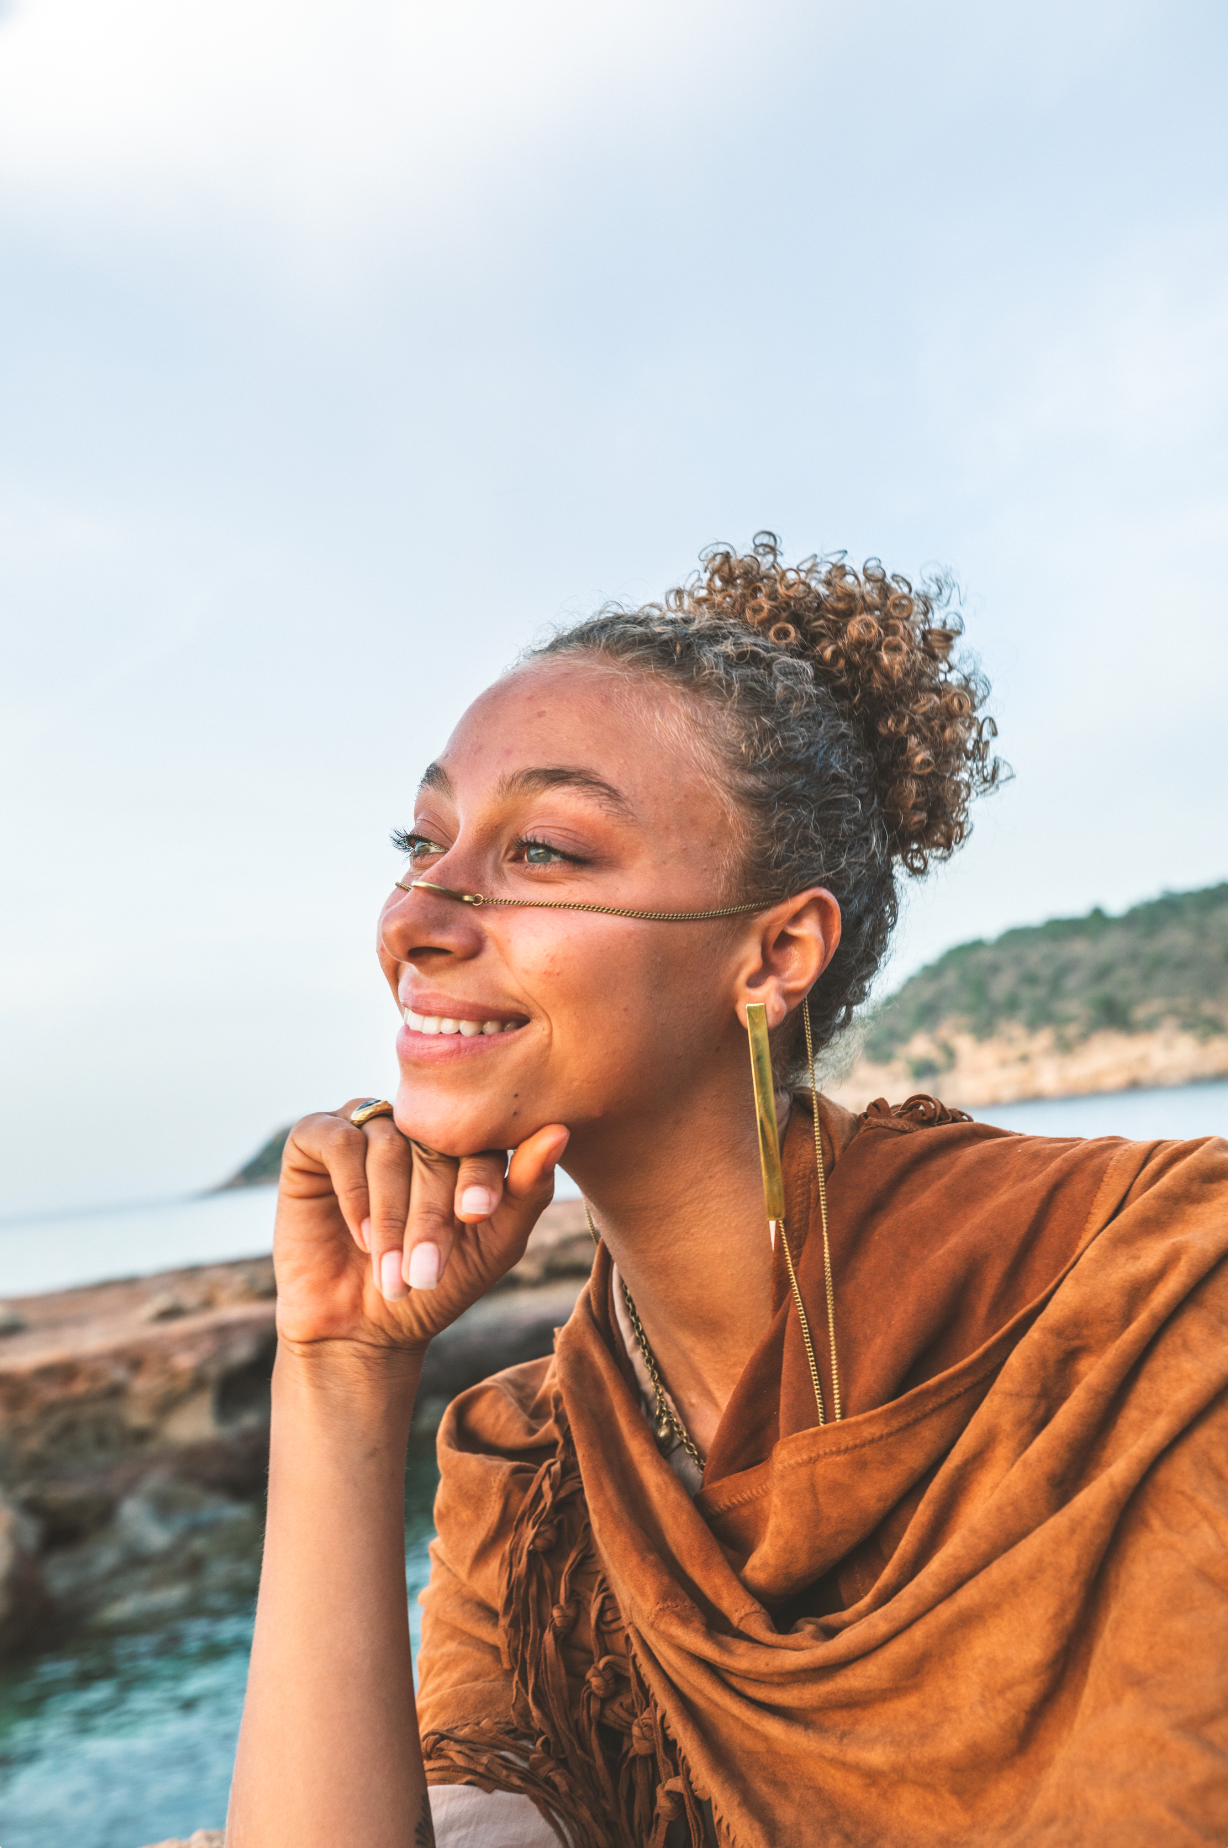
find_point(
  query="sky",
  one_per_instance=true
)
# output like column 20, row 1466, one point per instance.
column 344, row 347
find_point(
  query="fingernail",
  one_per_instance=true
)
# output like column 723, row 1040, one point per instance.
column 424, row 1266
column 364, row 1233
column 391, row 1282
column 479, row 1200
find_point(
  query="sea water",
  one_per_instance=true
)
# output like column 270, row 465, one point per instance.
column 1180, row 1114
column 57, row 1251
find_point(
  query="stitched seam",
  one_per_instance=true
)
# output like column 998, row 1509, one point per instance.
column 864, row 1443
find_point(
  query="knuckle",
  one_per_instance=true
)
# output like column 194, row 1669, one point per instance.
column 483, row 1164
column 387, row 1151
column 433, row 1217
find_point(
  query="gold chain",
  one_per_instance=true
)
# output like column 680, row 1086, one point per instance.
column 807, row 1343
column 558, row 904
column 664, row 1418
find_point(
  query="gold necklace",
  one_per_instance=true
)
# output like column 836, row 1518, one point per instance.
column 665, row 1420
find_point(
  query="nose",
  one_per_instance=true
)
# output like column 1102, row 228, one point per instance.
column 425, row 919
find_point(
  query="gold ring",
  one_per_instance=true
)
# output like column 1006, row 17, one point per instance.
column 374, row 1107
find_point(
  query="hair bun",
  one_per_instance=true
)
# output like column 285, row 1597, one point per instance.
column 884, row 649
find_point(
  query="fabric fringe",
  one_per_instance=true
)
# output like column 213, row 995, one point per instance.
column 594, row 1754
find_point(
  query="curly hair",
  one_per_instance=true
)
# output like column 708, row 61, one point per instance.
column 848, row 736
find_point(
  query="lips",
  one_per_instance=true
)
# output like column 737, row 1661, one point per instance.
column 450, row 1024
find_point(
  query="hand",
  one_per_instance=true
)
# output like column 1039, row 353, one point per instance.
column 382, row 1244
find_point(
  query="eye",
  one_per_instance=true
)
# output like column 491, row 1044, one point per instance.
column 416, row 847
column 541, row 853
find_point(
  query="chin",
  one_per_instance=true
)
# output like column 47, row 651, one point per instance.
column 454, row 1126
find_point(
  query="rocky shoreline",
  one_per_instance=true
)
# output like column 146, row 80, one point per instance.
column 1015, row 1065
column 134, row 1428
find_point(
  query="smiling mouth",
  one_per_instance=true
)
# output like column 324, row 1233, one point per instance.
column 468, row 1029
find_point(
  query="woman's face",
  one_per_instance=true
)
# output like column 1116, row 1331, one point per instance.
column 567, row 780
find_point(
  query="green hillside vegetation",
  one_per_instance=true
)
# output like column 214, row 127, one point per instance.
column 263, row 1169
column 1163, row 962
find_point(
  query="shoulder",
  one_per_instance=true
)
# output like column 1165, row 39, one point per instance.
column 920, row 1111
column 924, row 1143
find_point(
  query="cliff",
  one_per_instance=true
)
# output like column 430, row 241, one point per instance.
column 134, row 1426
column 1084, row 1004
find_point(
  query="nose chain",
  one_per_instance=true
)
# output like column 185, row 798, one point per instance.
column 558, row 904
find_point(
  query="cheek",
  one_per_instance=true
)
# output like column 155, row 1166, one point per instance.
column 624, row 1010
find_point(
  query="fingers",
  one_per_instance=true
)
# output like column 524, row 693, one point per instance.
column 325, row 1152
column 428, row 1236
column 473, row 1191
column 404, row 1204
column 389, row 1169
column 531, row 1172
column 479, row 1185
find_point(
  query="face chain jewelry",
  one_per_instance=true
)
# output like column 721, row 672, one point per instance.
column 610, row 911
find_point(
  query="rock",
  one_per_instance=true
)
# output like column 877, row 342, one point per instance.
column 502, row 1330
column 165, row 1307
column 169, row 1543
column 134, row 1422
column 10, row 1322
column 23, row 1596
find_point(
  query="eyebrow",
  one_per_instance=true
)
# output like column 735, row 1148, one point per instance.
column 436, row 777
column 533, row 782
column 563, row 776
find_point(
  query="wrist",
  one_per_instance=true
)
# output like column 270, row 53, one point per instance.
column 348, row 1376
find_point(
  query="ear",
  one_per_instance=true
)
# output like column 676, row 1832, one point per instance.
column 791, row 946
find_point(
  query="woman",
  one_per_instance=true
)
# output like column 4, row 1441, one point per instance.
column 904, row 1527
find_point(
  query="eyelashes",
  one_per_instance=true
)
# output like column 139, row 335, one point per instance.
column 411, row 845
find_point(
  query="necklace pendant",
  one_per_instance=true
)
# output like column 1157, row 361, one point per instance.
column 663, row 1427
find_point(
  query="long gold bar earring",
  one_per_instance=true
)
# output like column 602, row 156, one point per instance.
column 774, row 1188
column 819, row 1169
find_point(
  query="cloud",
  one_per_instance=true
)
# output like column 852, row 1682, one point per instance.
column 313, row 113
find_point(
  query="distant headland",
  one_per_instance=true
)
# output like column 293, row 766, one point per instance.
column 1061, row 1009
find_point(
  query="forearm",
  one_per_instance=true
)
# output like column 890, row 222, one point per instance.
column 329, row 1750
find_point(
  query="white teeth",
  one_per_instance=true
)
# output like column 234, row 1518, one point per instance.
column 468, row 1029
